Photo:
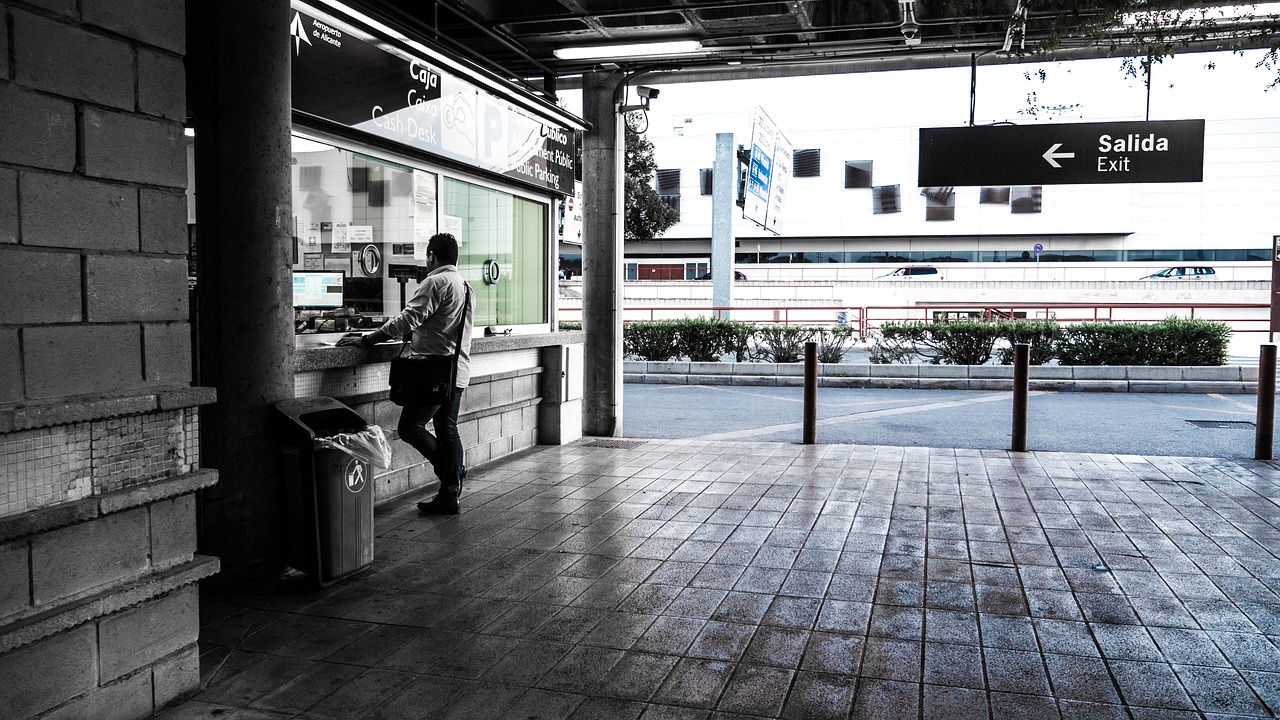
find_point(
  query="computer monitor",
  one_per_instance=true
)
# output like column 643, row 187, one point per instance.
column 318, row 289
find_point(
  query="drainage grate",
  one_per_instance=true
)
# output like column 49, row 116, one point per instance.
column 615, row 444
column 1222, row 424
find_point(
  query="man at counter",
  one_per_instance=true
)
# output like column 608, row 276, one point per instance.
column 432, row 316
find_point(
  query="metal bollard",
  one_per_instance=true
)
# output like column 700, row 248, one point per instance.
column 1021, row 381
column 810, row 393
column 1264, row 428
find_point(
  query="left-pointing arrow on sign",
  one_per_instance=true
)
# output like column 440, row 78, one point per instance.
column 1052, row 155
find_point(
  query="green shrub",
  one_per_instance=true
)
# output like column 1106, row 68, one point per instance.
column 1172, row 341
column 1043, row 335
column 1190, row 342
column 959, row 342
column 703, row 339
column 742, row 341
column 569, row 326
column 833, row 343
column 650, row 340
column 785, row 343
column 896, row 342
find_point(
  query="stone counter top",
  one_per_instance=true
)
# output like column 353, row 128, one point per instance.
column 311, row 354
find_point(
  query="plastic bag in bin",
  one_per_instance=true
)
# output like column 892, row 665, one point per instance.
column 369, row 444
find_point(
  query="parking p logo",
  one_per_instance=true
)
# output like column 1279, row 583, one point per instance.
column 355, row 476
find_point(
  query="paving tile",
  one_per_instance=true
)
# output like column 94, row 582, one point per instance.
column 819, row 696
column 953, row 665
column 694, row 682
column 1220, row 690
column 696, row 602
column 527, row 662
column 903, row 623
column 795, row 612
column 1015, row 671
column 1010, row 633
column 1125, row 642
column 886, row 700
column 618, row 630
column 1149, row 685
column 636, row 676
column 424, row 696
column 722, row 641
column 783, row 647
column 832, row 653
column 673, row 712
column 891, row 659
column 669, row 635
column 1012, row 706
column 602, row 708
column 952, row 703
column 756, row 690
column 1074, row 677
column 743, row 607
column 1248, row 651
column 359, row 696
column 581, row 670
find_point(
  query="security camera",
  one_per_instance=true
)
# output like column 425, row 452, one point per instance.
column 911, row 33
column 646, row 93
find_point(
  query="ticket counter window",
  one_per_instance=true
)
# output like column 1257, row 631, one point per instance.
column 506, row 237
column 367, row 220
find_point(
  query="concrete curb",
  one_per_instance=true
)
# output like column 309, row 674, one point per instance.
column 1226, row 379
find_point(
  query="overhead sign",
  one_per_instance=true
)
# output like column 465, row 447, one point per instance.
column 1275, row 284
column 768, row 171
column 1066, row 154
column 341, row 78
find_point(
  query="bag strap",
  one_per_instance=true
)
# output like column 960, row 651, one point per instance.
column 462, row 324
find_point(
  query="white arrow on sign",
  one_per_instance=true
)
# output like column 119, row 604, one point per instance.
column 1052, row 155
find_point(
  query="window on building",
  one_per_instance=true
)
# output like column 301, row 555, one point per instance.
column 510, row 230
column 668, row 182
column 940, row 204
column 857, row 173
column 806, row 163
column 993, row 196
column 705, row 181
column 1025, row 199
column 886, row 199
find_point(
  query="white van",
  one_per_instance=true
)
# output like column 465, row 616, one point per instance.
column 915, row 272
column 1183, row 273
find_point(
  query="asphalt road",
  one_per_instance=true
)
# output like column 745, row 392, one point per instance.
column 1116, row 423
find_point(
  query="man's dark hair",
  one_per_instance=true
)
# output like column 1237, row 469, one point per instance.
column 445, row 247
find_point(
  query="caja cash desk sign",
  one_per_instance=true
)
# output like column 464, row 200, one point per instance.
column 1066, row 154
column 341, row 78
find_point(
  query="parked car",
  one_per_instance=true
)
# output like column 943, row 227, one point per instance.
column 915, row 272
column 737, row 275
column 1182, row 273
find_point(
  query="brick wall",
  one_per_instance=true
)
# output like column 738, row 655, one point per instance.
column 93, row 245
column 98, row 426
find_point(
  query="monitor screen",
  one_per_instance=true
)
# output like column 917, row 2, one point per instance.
column 318, row 289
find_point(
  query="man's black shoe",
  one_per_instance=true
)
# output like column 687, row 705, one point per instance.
column 438, row 506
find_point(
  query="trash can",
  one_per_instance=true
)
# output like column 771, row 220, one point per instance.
column 328, row 492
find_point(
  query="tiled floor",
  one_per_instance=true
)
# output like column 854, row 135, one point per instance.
column 683, row 579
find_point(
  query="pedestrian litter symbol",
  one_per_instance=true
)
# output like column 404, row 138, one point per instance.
column 355, row 476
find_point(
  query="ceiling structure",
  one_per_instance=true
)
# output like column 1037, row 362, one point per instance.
column 517, row 39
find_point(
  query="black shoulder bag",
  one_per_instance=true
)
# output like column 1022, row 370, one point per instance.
column 428, row 379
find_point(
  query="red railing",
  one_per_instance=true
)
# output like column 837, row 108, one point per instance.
column 1242, row 317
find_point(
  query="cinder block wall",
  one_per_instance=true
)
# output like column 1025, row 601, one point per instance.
column 99, row 436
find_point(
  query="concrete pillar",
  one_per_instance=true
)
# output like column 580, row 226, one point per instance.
column 602, row 255
column 239, row 88
column 724, row 178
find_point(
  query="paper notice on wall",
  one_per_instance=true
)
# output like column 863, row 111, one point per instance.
column 341, row 237
column 424, row 212
column 357, row 235
column 311, row 241
column 453, row 226
column 313, row 262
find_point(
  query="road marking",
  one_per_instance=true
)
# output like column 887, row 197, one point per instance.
column 864, row 415
column 1246, row 407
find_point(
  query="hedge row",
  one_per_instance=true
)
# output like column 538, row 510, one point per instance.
column 713, row 340
column 1172, row 341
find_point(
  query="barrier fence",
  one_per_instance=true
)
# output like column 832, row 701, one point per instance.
column 1242, row 317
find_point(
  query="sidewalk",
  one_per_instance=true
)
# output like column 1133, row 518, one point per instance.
column 686, row 579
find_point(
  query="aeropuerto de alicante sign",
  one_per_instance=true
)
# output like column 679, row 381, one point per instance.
column 344, row 79
column 1064, row 154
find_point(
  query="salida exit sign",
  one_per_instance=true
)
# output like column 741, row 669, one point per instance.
column 1066, row 154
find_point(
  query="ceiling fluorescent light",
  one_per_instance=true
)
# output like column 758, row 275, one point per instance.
column 676, row 47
